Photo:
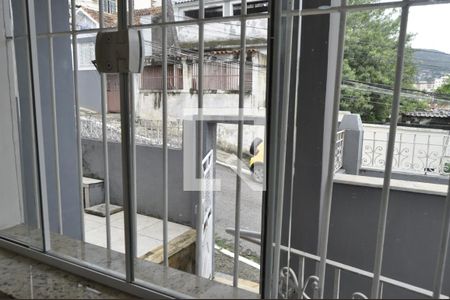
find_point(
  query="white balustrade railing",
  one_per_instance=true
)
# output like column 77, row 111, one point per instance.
column 339, row 150
column 423, row 152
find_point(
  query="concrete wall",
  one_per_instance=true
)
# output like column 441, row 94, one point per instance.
column 89, row 90
column 149, row 189
column 65, row 116
column 412, row 237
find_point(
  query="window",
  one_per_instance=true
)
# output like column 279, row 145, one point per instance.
column 222, row 76
column 110, row 6
column 151, row 78
column 210, row 12
column 86, row 54
column 252, row 7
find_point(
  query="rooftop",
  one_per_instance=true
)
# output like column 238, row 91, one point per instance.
column 440, row 113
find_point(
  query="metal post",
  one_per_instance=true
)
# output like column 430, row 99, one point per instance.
column 38, row 125
column 165, row 145
column 77, row 111
column 270, row 270
column 291, row 7
column 132, row 136
column 443, row 248
column 384, row 203
column 54, row 116
column 104, row 103
column 282, row 149
column 324, row 226
column 126, row 108
column 199, row 130
column 237, row 217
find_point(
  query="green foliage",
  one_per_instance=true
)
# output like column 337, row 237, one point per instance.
column 445, row 88
column 370, row 57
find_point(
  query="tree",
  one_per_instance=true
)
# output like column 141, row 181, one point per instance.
column 444, row 89
column 370, row 58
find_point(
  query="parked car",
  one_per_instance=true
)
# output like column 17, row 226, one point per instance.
column 256, row 164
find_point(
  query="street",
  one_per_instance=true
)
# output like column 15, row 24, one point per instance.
column 251, row 204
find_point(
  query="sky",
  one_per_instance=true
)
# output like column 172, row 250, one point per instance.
column 431, row 23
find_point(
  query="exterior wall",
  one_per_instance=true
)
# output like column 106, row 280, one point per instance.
column 412, row 237
column 89, row 91
column 149, row 186
column 223, row 32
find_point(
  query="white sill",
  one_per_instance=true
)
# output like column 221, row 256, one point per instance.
column 399, row 185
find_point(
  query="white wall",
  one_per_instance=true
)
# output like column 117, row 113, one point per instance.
column 10, row 195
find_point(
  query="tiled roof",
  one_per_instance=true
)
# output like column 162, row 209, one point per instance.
column 110, row 20
column 231, row 51
column 429, row 114
column 184, row 1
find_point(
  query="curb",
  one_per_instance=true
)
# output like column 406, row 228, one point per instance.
column 234, row 168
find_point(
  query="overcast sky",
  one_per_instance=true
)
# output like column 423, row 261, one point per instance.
column 432, row 25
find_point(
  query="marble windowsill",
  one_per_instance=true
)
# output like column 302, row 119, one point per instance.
column 110, row 260
column 24, row 278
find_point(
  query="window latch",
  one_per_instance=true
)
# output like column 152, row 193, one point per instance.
column 119, row 51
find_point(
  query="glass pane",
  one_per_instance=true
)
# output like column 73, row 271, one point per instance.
column 20, row 219
column 221, row 84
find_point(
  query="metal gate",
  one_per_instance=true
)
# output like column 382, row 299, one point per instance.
column 206, row 249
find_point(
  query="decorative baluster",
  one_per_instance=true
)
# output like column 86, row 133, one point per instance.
column 413, row 151
column 373, row 148
column 301, row 276
column 427, row 155
column 336, row 283
column 399, row 150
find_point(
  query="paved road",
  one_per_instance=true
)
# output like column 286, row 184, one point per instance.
column 251, row 203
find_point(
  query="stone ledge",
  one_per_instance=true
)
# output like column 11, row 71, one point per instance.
column 398, row 185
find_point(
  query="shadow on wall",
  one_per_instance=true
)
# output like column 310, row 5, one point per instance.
column 149, row 179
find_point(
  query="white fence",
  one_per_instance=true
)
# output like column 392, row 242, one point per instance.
column 417, row 150
column 148, row 132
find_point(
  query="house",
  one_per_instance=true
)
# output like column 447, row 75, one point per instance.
column 437, row 118
column 221, row 66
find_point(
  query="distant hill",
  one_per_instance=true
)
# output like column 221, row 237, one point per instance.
column 431, row 64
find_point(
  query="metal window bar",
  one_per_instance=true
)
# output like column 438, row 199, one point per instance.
column 237, row 217
column 104, row 104
column 199, row 129
column 384, row 202
column 128, row 162
column 443, row 248
column 304, row 12
column 54, row 116
column 282, row 151
column 77, row 110
column 38, row 125
column 286, row 89
column 328, row 192
column 271, row 205
column 131, row 93
column 165, row 141
column 303, row 256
